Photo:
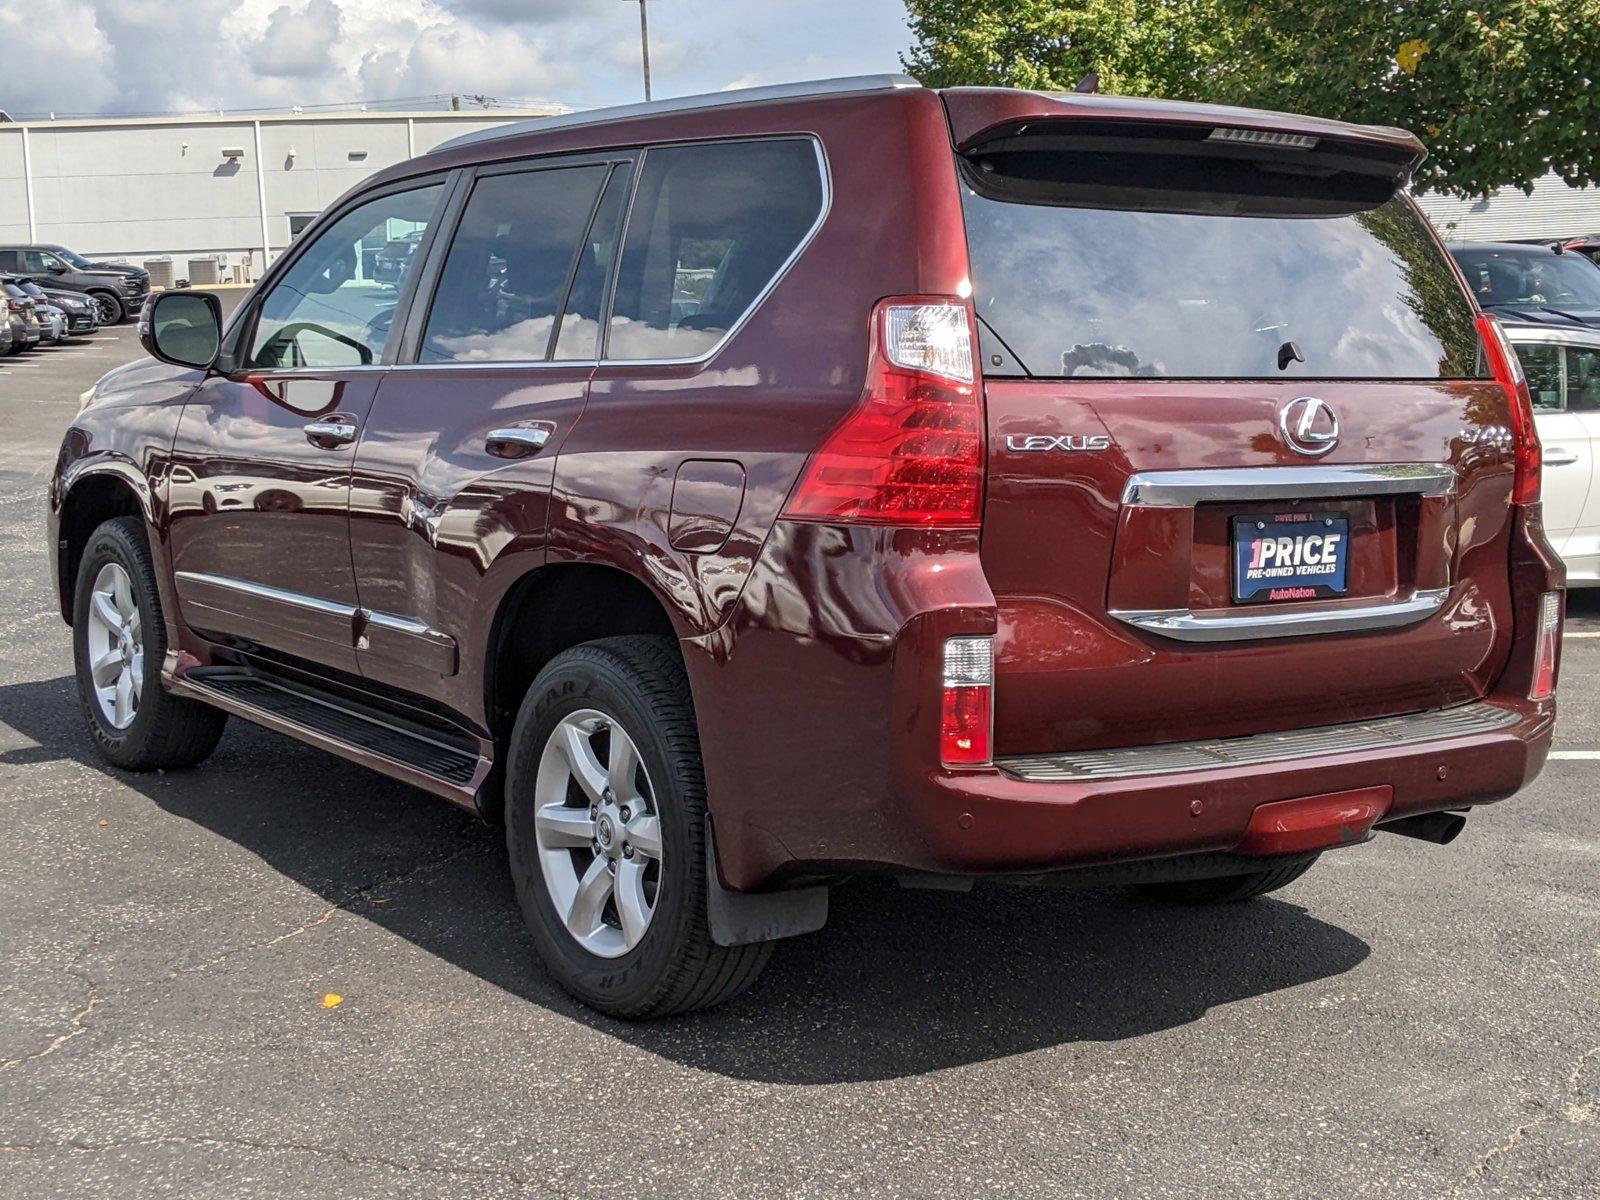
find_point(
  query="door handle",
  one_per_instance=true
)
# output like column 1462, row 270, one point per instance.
column 330, row 434
column 1558, row 457
column 519, row 441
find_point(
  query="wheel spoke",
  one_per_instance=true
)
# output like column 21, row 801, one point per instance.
column 122, row 595
column 632, row 907
column 623, row 765
column 122, row 712
column 586, row 768
column 589, row 901
column 106, row 609
column 560, row 826
column 104, row 670
column 136, row 670
column 644, row 835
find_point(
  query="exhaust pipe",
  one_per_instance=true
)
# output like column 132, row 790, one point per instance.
column 1439, row 828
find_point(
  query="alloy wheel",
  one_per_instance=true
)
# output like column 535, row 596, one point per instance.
column 107, row 308
column 115, row 640
column 598, row 833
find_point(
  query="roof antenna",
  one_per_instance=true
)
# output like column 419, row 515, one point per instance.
column 1089, row 83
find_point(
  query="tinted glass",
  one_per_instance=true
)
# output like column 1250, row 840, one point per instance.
column 1529, row 278
column 508, row 266
column 1543, row 367
column 331, row 308
column 711, row 227
column 580, row 320
column 1100, row 291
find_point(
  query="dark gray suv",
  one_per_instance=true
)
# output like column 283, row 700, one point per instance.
column 118, row 290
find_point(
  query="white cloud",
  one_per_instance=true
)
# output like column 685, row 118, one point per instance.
column 125, row 56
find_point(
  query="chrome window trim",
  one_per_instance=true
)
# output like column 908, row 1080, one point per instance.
column 841, row 86
column 1184, row 489
column 262, row 592
column 1552, row 336
column 1306, row 620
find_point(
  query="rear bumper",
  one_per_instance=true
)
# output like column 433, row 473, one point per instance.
column 999, row 822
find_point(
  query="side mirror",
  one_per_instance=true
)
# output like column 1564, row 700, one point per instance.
column 57, row 268
column 182, row 328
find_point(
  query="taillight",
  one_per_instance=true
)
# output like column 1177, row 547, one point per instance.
column 1547, row 651
column 1507, row 370
column 966, row 717
column 912, row 451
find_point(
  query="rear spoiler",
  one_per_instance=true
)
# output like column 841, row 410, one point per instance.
column 1032, row 144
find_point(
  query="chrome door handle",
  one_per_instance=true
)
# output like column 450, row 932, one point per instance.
column 1557, row 457
column 519, row 441
column 322, row 433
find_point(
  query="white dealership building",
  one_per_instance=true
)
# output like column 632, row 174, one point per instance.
column 178, row 193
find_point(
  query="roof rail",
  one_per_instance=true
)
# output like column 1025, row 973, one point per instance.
column 627, row 112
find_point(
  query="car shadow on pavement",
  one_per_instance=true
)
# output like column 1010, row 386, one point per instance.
column 898, row 984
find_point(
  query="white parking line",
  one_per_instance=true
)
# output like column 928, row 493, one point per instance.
column 1583, row 634
column 1579, row 754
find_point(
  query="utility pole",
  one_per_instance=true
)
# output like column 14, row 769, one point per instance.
column 644, row 41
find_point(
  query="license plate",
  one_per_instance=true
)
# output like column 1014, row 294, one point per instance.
column 1290, row 556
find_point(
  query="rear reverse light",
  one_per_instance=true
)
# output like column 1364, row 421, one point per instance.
column 912, row 451
column 1507, row 370
column 1547, row 651
column 966, row 716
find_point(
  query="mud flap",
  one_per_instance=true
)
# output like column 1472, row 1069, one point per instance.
column 742, row 918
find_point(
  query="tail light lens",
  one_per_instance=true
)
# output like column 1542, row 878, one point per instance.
column 966, row 718
column 912, row 451
column 1547, row 652
column 1507, row 370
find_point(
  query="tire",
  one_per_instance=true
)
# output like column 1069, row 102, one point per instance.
column 110, row 306
column 164, row 731
column 636, row 684
column 1228, row 889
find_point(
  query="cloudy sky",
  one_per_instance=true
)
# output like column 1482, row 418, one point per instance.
column 110, row 56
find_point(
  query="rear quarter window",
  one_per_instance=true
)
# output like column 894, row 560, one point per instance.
column 1074, row 289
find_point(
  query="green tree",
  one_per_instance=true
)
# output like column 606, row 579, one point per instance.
column 1501, row 91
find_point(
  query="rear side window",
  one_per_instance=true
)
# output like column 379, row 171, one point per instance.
column 1562, row 378
column 1115, row 276
column 508, row 266
column 711, row 227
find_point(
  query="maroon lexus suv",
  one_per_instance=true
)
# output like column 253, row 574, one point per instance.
column 736, row 494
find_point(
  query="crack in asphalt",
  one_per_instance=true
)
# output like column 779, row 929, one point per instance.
column 1517, row 1136
column 350, row 901
column 80, row 1146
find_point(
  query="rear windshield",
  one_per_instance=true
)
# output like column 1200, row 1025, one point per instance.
column 1066, row 288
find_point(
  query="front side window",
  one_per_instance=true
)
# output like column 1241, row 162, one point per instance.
column 506, row 274
column 710, row 229
column 332, row 308
column 38, row 261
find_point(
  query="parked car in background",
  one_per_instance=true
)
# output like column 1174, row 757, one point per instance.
column 1531, row 283
column 25, row 329
column 81, row 312
column 845, row 478
column 1563, row 370
column 389, row 263
column 1589, row 247
column 7, row 338
column 53, row 326
column 118, row 290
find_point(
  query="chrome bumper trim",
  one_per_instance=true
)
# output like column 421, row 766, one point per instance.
column 1174, row 758
column 1234, row 625
column 1183, row 489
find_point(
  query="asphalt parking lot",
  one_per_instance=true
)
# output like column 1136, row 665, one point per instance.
column 1407, row 1020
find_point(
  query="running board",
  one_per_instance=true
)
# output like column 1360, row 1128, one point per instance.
column 346, row 727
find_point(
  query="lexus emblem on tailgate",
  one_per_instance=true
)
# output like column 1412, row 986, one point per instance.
column 1309, row 426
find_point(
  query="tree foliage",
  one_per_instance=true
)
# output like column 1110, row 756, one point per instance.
column 1501, row 91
